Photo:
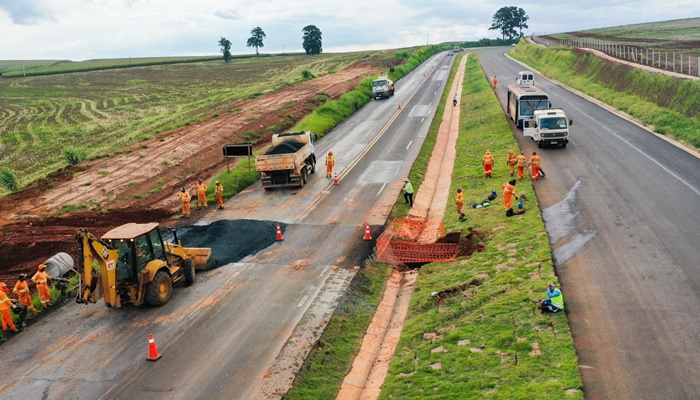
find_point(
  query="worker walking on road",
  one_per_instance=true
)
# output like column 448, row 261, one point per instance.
column 219, row 192
column 201, row 189
column 41, row 279
column 487, row 162
column 408, row 193
column 509, row 193
column 184, row 198
column 5, row 306
column 512, row 160
column 22, row 292
column 460, row 203
column 495, row 82
column 554, row 301
column 535, row 163
column 330, row 162
column 521, row 160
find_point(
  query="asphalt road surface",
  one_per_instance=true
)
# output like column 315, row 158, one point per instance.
column 622, row 209
column 242, row 330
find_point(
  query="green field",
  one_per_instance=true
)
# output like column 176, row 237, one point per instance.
column 101, row 111
column 682, row 35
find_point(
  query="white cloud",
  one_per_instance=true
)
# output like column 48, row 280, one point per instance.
column 86, row 29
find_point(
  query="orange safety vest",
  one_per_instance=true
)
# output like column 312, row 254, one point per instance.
column 460, row 198
column 521, row 160
column 5, row 302
column 41, row 278
column 512, row 159
column 184, row 197
column 488, row 159
column 201, row 189
column 330, row 161
column 535, row 161
column 219, row 190
column 21, row 288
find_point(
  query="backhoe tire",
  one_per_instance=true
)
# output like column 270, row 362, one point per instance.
column 188, row 271
column 159, row 289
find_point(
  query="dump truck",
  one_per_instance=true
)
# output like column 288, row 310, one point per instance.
column 548, row 127
column 382, row 87
column 289, row 162
column 132, row 264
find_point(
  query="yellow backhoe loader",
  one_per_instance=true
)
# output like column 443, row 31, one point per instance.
column 133, row 264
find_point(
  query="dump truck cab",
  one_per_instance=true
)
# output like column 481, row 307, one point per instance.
column 382, row 87
column 133, row 264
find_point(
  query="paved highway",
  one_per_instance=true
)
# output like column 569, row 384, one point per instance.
column 243, row 329
column 622, row 209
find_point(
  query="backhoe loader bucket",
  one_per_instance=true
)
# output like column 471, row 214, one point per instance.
column 201, row 257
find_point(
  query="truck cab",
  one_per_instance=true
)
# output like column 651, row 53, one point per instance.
column 382, row 87
column 548, row 127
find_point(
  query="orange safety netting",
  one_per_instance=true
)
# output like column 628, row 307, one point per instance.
column 401, row 250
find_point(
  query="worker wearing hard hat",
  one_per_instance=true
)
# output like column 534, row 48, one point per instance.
column 219, row 192
column 535, row 163
column 22, row 292
column 487, row 162
column 41, row 278
column 5, row 306
column 330, row 163
column 201, row 189
column 184, row 198
column 512, row 160
column 521, row 160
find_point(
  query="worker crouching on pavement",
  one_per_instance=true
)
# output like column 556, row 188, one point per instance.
column 184, row 198
column 487, row 162
column 201, row 189
column 5, row 306
column 22, row 292
column 219, row 192
column 41, row 279
column 554, row 301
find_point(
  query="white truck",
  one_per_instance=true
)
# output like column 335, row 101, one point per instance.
column 548, row 127
column 289, row 162
column 382, row 87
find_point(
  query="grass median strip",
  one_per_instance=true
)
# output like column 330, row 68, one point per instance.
column 472, row 330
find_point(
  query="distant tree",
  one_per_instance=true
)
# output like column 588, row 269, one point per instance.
column 506, row 19
column 256, row 40
column 312, row 40
column 225, row 45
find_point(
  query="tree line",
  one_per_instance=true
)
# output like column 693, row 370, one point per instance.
column 311, row 41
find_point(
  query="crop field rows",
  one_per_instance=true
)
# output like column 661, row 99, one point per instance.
column 103, row 111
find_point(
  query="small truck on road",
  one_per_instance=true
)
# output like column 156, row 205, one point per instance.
column 382, row 87
column 289, row 162
column 548, row 127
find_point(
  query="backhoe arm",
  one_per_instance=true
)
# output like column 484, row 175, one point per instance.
column 95, row 284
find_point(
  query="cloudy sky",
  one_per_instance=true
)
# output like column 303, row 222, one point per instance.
column 88, row 29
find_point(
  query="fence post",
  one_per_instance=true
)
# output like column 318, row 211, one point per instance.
column 681, row 70
column 674, row 61
column 690, row 69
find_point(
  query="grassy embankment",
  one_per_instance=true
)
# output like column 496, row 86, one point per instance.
column 327, row 364
column 490, row 340
column 324, row 118
column 101, row 112
column 668, row 105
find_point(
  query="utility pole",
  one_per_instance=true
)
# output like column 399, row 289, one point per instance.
column 427, row 41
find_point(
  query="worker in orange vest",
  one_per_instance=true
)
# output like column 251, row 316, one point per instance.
column 495, row 82
column 487, row 162
column 219, row 192
column 512, row 160
column 330, row 163
column 184, row 198
column 460, row 203
column 521, row 160
column 22, row 292
column 508, row 193
column 201, row 189
column 5, row 306
column 41, row 279
column 535, row 162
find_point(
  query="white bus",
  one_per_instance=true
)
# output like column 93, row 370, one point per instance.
column 524, row 100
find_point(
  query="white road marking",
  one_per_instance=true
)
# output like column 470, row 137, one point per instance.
column 421, row 121
column 303, row 299
column 306, row 296
column 381, row 190
column 323, row 272
column 411, row 142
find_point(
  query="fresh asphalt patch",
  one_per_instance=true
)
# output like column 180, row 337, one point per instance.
column 231, row 240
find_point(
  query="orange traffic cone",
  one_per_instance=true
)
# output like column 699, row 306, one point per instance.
column 335, row 179
column 368, row 236
column 399, row 106
column 279, row 233
column 152, row 350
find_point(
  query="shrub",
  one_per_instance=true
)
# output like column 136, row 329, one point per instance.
column 8, row 179
column 74, row 154
column 307, row 74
